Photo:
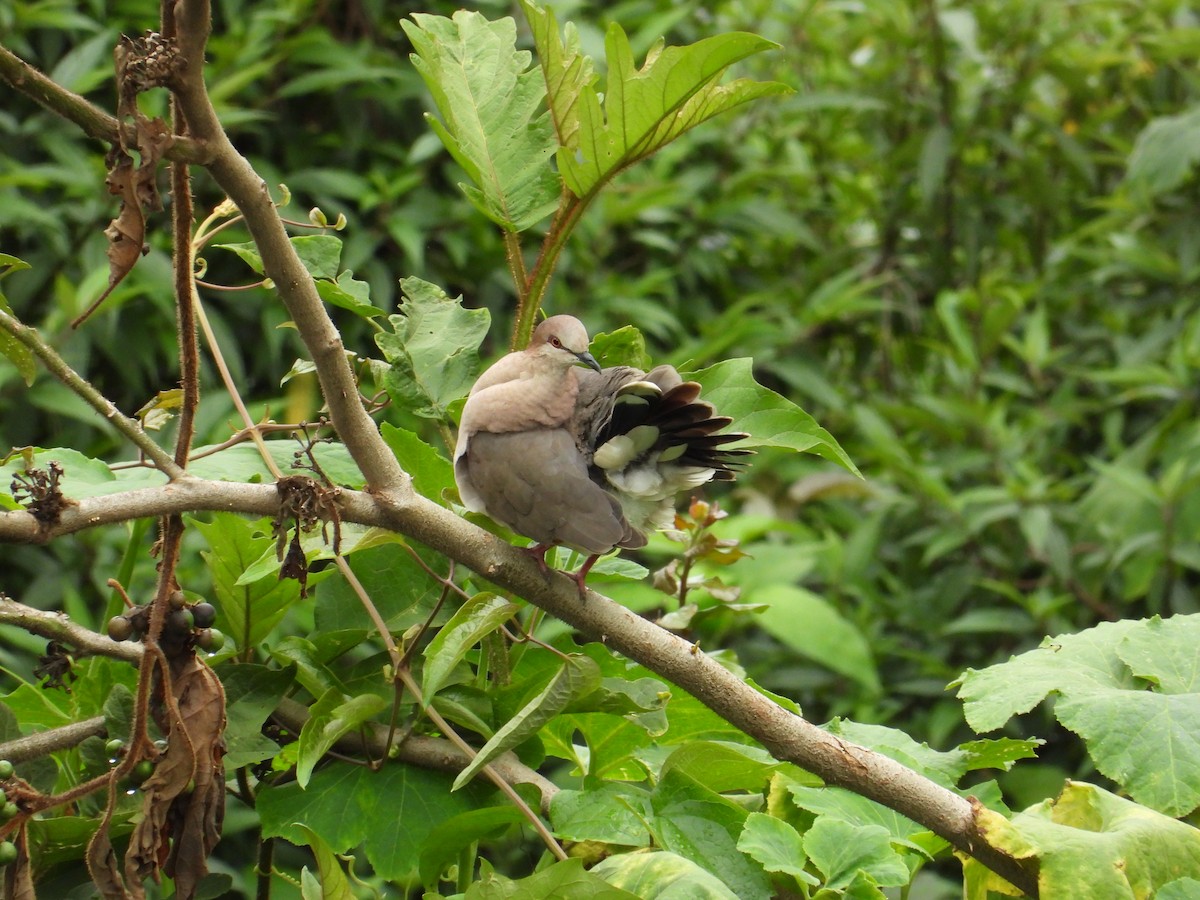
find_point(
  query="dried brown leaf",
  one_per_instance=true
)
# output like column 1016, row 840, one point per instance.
column 184, row 800
column 102, row 865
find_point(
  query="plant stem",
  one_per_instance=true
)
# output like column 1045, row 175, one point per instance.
column 58, row 367
column 570, row 210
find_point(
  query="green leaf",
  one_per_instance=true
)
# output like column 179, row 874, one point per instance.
column 248, row 252
column 770, row 419
column 1143, row 739
column 245, row 612
column 443, row 844
column 722, row 767
column 333, row 715
column 349, row 293
column 243, row 462
column 1165, row 152
column 826, row 638
column 562, row 879
column 776, row 845
column 567, row 71
column 320, row 254
column 333, row 883
column 579, row 676
column 645, row 109
column 703, row 826
column 494, row 122
column 82, row 476
column 471, row 623
column 251, row 694
column 612, row 813
column 840, row 850
column 432, row 349
column 1091, row 843
column 402, row 591
column 623, row 347
column 662, row 874
column 431, row 472
column 350, row 805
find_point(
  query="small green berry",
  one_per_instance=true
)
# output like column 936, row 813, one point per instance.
column 8, row 811
column 177, row 600
column 8, row 853
column 114, row 747
column 211, row 639
column 142, row 771
column 6, row 770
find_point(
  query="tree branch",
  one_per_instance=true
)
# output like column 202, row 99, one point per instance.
column 58, row 367
column 93, row 121
column 57, row 627
column 35, row 746
column 788, row 737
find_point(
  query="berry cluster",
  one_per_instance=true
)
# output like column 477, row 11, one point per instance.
column 187, row 624
column 8, row 809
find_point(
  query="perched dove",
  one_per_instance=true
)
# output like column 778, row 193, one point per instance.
column 587, row 458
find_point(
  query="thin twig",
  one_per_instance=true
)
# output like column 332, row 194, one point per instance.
column 81, row 387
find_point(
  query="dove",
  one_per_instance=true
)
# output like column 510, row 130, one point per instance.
column 567, row 453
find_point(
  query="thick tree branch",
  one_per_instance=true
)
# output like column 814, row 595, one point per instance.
column 244, row 187
column 93, row 121
column 43, row 743
column 57, row 626
column 787, row 736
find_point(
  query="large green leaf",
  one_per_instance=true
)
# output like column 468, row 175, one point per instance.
column 562, row 879
column 1129, row 689
column 612, row 812
column 494, row 122
column 644, row 109
column 432, row 349
column 701, row 825
column 251, row 694
column 389, row 812
column 662, row 874
column 775, row 845
column 810, row 625
column 1091, row 843
column 245, row 612
column 770, row 419
column 841, row 850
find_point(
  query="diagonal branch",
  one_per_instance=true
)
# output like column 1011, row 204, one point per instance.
column 787, row 736
column 93, row 121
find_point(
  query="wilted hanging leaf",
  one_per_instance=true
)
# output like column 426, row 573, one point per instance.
column 18, row 875
column 180, row 826
column 102, row 865
column 141, row 63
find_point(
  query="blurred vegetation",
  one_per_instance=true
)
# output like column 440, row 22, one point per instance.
column 937, row 246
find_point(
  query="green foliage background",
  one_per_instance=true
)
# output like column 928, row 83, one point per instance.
column 967, row 245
